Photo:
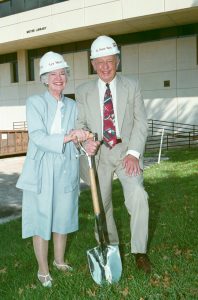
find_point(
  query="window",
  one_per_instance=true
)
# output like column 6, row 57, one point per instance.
column 31, row 68
column 14, row 72
column 4, row 8
column 12, row 59
column 10, row 7
column 72, row 96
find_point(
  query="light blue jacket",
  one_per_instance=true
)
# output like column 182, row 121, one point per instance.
column 40, row 110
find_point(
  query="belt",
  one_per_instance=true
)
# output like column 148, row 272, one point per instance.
column 118, row 141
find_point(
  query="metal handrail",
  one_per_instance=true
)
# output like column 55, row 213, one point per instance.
column 20, row 125
column 175, row 135
column 170, row 127
column 184, row 139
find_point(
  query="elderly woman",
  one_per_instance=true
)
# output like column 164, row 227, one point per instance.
column 50, row 175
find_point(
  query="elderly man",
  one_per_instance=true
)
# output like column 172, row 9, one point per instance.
column 112, row 107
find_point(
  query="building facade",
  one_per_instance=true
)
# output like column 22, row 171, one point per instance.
column 158, row 40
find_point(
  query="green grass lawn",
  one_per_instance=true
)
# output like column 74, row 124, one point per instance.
column 172, row 186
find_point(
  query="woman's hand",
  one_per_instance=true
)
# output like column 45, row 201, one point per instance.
column 78, row 136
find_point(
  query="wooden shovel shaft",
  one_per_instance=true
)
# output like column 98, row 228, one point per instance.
column 94, row 192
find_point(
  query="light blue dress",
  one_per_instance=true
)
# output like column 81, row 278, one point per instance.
column 50, row 175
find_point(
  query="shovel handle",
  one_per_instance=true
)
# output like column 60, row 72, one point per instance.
column 94, row 191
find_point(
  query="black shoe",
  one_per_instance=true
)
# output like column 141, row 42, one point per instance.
column 143, row 262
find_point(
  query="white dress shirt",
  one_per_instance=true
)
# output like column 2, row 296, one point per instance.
column 102, row 88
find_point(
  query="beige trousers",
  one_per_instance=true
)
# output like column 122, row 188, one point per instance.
column 135, row 198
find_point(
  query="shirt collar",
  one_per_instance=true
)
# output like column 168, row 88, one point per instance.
column 102, row 84
column 53, row 101
column 49, row 95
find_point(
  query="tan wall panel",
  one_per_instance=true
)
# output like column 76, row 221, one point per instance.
column 130, row 59
column 105, row 12
column 133, row 8
column 81, row 65
column 167, row 111
column 187, row 53
column 179, row 4
column 5, row 75
column 187, row 79
column 157, row 56
column 155, row 80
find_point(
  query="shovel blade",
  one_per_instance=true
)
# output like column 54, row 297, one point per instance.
column 105, row 265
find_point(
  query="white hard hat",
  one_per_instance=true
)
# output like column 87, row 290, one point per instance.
column 51, row 61
column 103, row 46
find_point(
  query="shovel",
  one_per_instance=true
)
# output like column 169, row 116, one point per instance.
column 104, row 260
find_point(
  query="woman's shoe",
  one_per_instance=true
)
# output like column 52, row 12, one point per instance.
column 45, row 280
column 62, row 267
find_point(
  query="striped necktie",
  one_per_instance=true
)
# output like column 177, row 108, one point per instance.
column 109, row 130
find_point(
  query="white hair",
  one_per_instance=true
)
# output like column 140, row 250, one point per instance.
column 44, row 77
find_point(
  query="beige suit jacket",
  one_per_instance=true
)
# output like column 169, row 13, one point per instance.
column 132, row 120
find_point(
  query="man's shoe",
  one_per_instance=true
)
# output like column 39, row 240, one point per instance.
column 143, row 262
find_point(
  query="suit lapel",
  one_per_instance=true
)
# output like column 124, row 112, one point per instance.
column 93, row 102
column 122, row 96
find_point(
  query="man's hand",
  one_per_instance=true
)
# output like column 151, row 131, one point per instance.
column 91, row 146
column 131, row 165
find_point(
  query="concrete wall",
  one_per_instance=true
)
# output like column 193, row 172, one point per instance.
column 79, row 14
column 174, row 60
column 153, row 63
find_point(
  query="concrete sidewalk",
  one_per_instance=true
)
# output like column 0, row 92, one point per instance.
column 11, row 197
